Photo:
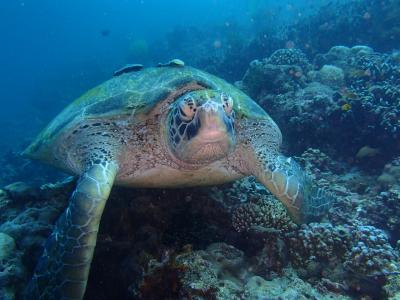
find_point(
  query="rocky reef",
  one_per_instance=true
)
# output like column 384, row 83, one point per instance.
column 346, row 99
column 369, row 22
column 14, row 167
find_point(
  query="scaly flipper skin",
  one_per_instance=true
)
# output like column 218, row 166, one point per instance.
column 294, row 188
column 281, row 175
column 63, row 269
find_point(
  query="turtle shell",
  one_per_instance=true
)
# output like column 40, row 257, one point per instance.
column 133, row 94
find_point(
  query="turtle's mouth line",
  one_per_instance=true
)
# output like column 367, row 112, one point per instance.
column 212, row 136
column 211, row 141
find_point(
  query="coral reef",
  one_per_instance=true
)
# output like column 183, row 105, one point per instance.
column 26, row 218
column 264, row 212
column 12, row 270
column 348, row 254
column 329, row 75
column 387, row 201
column 391, row 173
column 352, row 93
column 352, row 254
column 290, row 57
column 222, row 272
column 289, row 286
column 282, row 72
column 184, row 243
column 15, row 168
column 7, row 246
column 367, row 22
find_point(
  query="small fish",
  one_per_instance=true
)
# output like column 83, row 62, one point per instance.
column 105, row 32
column 359, row 73
column 350, row 95
column 367, row 151
column 346, row 107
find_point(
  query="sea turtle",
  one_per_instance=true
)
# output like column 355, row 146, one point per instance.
column 174, row 126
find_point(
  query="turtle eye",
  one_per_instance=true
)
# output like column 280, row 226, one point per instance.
column 227, row 103
column 187, row 109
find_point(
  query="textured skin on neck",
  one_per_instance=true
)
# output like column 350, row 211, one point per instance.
column 64, row 266
column 259, row 138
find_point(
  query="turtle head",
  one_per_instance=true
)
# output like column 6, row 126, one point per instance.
column 201, row 126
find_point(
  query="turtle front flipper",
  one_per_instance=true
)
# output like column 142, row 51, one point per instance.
column 281, row 175
column 294, row 188
column 63, row 269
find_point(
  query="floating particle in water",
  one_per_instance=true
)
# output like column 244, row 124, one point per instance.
column 325, row 26
column 368, row 72
column 217, row 44
column 105, row 32
column 367, row 16
column 290, row 44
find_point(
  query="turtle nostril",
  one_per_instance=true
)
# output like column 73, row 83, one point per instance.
column 210, row 106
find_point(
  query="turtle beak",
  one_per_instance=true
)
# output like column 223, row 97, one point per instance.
column 209, row 136
column 211, row 116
